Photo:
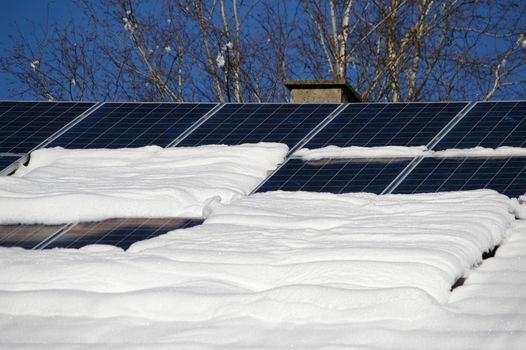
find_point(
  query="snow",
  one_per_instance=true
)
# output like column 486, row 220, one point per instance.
column 270, row 270
column 503, row 151
column 62, row 185
column 406, row 152
column 281, row 269
column 361, row 152
column 220, row 60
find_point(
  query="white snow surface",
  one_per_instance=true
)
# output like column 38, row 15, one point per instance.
column 406, row 152
column 361, row 152
column 282, row 269
column 61, row 185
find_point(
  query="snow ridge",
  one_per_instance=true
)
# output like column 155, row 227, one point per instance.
column 336, row 152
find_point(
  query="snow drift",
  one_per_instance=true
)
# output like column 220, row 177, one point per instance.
column 61, row 186
column 275, row 256
column 274, row 269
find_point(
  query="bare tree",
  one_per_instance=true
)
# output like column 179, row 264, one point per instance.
column 241, row 50
column 401, row 50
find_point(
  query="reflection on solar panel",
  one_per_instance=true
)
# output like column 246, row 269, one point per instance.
column 25, row 236
column 237, row 123
column 489, row 124
column 336, row 176
column 382, row 124
column 5, row 161
column 507, row 176
column 115, row 125
column 24, row 125
column 118, row 232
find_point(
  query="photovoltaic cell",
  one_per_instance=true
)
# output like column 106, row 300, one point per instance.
column 119, row 232
column 116, row 125
column 507, row 176
column 386, row 124
column 236, row 123
column 25, row 236
column 489, row 124
column 5, row 161
column 335, row 175
column 24, row 125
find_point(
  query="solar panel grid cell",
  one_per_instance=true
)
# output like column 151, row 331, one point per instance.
column 116, row 125
column 25, row 125
column 251, row 123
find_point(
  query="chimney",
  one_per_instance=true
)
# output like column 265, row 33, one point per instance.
column 321, row 91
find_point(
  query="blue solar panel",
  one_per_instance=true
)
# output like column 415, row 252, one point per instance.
column 507, row 176
column 336, row 176
column 489, row 124
column 116, row 125
column 25, row 236
column 383, row 124
column 24, row 125
column 118, row 232
column 235, row 124
column 5, row 161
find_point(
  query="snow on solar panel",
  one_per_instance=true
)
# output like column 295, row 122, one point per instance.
column 386, row 124
column 489, row 124
column 117, row 125
column 251, row 123
column 507, row 176
column 5, row 161
column 118, row 232
column 25, row 236
column 335, row 176
column 25, row 125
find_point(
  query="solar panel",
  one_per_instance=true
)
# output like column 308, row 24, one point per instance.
column 24, row 125
column 489, row 124
column 25, row 236
column 383, row 124
column 116, row 125
column 238, row 123
column 335, row 175
column 118, row 232
column 507, row 176
column 5, row 161
column 8, row 105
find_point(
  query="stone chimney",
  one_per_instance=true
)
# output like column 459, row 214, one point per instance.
column 321, row 91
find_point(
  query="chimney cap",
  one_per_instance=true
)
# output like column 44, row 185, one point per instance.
column 350, row 94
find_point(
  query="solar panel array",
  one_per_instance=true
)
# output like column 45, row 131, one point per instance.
column 25, row 126
column 487, row 124
column 364, row 125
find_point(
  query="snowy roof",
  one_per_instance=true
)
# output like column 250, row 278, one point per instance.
column 266, row 268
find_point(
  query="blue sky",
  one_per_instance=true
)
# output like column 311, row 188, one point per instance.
column 37, row 15
column 24, row 15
